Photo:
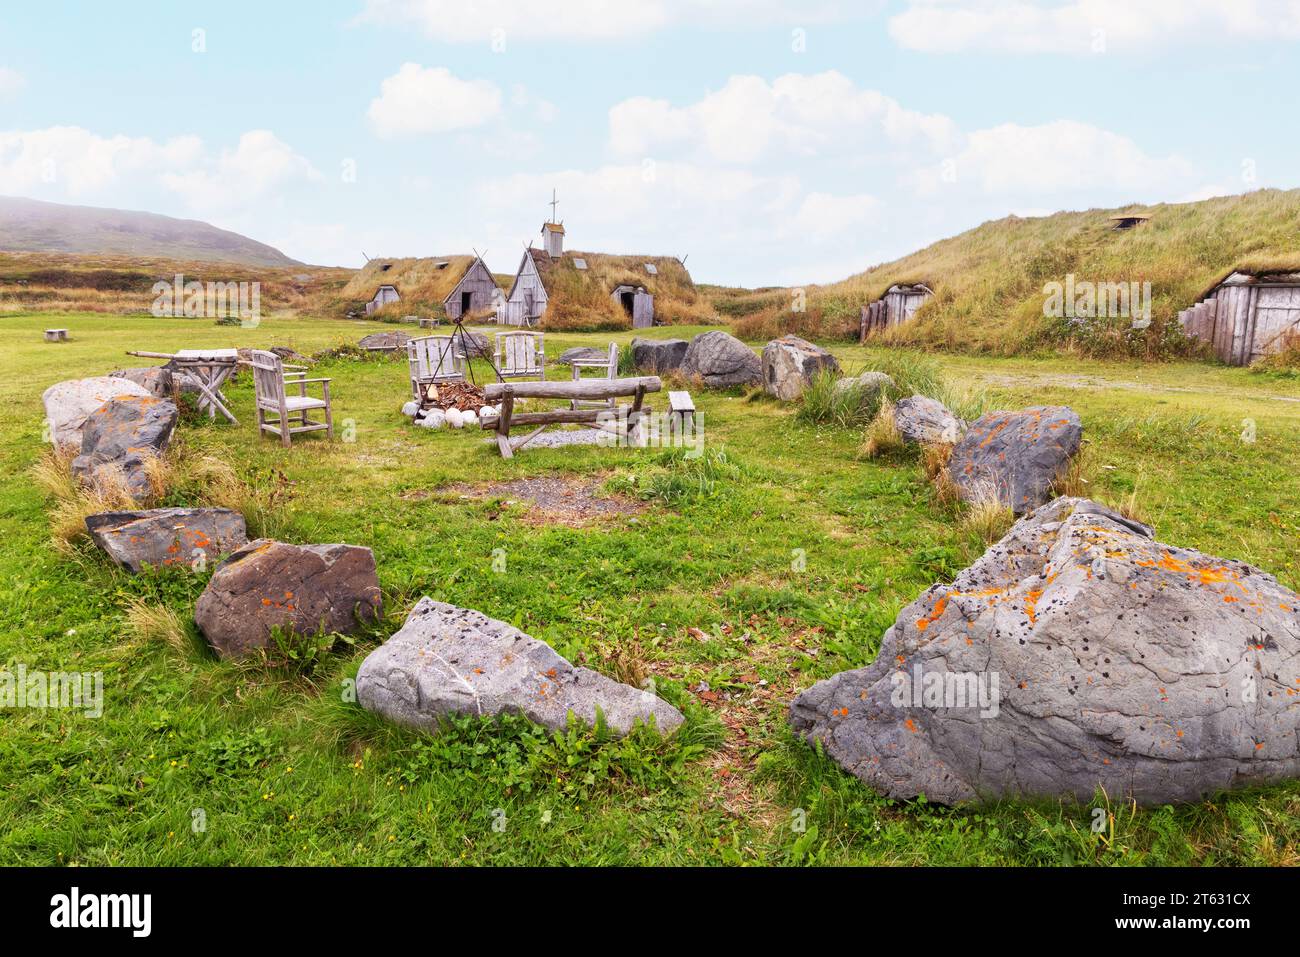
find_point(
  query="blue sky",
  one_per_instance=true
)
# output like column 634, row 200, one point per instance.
column 774, row 142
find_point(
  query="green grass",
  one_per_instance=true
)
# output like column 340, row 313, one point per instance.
column 777, row 557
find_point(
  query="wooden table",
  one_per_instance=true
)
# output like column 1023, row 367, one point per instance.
column 208, row 369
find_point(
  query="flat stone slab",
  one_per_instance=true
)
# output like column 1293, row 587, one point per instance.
column 1078, row 653
column 1014, row 457
column 447, row 660
column 385, row 341
column 559, row 438
column 300, row 588
column 167, row 537
column 68, row 404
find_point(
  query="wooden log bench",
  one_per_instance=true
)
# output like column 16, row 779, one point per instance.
column 582, row 389
column 681, row 410
column 56, row 335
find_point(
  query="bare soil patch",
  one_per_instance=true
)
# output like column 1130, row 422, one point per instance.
column 554, row 499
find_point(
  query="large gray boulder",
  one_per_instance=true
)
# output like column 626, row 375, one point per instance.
column 121, row 436
column 790, row 364
column 926, row 421
column 1090, row 656
column 300, row 588
column 722, row 361
column 448, row 660
column 68, row 404
column 658, row 356
column 167, row 537
column 1014, row 457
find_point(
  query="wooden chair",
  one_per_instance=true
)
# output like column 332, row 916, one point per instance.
column 270, row 384
column 434, row 359
column 520, row 355
column 609, row 370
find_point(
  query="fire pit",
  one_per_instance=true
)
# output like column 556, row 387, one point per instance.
column 463, row 396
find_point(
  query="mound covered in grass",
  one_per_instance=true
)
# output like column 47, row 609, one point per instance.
column 989, row 282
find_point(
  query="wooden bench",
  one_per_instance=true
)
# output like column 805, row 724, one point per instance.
column 425, row 322
column 56, row 335
column 582, row 389
column 681, row 409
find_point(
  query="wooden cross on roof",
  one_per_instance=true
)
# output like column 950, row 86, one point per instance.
column 553, row 203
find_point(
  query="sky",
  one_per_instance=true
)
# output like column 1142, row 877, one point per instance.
column 772, row 142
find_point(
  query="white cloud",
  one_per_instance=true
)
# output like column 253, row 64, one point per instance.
column 672, row 208
column 65, row 163
column 1088, row 26
column 505, row 21
column 795, row 113
column 1063, row 157
column 73, row 162
column 260, row 164
column 11, row 81
column 420, row 99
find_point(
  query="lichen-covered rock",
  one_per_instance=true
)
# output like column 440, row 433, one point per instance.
column 790, row 363
column 658, row 356
column 447, row 660
column 721, row 361
column 926, row 421
column 121, row 436
column 1078, row 653
column 1014, row 457
column 68, row 404
column 167, row 537
column 301, row 588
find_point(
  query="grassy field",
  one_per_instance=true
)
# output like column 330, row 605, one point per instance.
column 988, row 281
column 776, row 559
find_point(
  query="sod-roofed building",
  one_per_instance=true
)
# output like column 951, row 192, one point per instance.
column 1247, row 315
column 577, row 290
column 454, row 287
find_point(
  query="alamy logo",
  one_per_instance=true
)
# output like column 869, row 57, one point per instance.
column 934, row 690
column 1084, row 299
column 74, row 909
column 70, row 690
column 208, row 300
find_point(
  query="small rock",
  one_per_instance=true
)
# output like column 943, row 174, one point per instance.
column 300, row 588
column 868, row 382
column 448, row 660
column 410, row 409
column 924, row 420
column 167, row 537
column 432, row 419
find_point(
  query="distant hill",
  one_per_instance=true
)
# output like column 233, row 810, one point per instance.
column 29, row 225
column 988, row 281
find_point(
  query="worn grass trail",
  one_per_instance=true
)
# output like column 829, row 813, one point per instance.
column 776, row 559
